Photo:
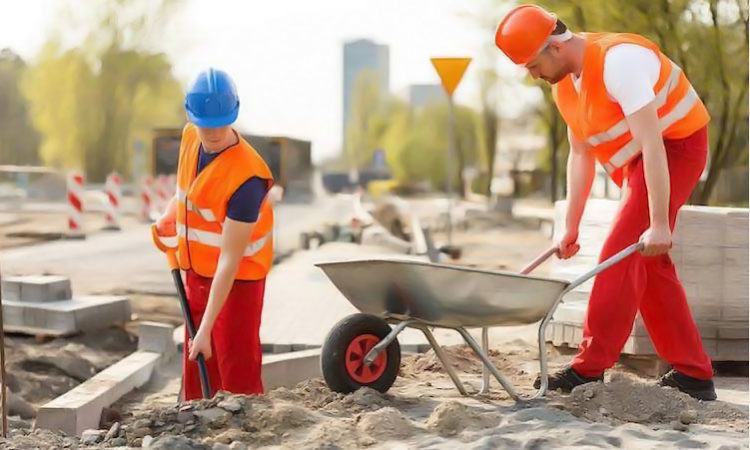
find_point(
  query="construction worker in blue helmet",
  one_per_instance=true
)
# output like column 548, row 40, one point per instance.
column 223, row 221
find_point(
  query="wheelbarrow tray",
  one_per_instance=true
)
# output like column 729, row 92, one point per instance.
column 442, row 295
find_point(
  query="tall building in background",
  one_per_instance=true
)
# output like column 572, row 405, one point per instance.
column 362, row 54
column 421, row 95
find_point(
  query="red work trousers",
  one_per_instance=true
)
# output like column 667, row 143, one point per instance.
column 649, row 285
column 235, row 365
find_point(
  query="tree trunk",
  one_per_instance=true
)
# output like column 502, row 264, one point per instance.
column 553, row 161
column 720, row 150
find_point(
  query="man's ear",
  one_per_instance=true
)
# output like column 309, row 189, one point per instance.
column 555, row 47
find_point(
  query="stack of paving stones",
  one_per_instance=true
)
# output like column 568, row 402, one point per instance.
column 711, row 254
column 45, row 306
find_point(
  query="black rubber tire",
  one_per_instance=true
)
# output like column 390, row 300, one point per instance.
column 333, row 353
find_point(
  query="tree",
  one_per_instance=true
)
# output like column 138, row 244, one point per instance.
column 93, row 101
column 368, row 116
column 19, row 141
column 488, row 82
column 416, row 143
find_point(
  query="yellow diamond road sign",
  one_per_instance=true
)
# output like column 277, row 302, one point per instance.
column 451, row 70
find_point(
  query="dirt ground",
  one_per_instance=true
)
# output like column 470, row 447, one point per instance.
column 39, row 371
column 423, row 410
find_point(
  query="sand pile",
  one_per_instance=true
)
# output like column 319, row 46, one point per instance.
column 511, row 361
column 460, row 357
column 451, row 418
column 386, row 423
column 625, row 399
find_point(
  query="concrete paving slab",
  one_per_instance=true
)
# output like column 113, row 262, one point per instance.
column 36, row 288
column 80, row 408
column 288, row 369
column 64, row 317
column 157, row 337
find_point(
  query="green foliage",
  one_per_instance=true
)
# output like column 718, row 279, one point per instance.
column 415, row 140
column 19, row 141
column 93, row 101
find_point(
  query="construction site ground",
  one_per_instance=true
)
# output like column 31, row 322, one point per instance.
column 423, row 410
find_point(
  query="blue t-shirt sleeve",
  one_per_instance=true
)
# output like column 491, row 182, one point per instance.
column 244, row 205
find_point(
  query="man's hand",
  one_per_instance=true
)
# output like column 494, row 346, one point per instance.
column 166, row 226
column 201, row 344
column 657, row 240
column 568, row 245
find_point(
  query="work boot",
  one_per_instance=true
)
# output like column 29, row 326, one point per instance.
column 694, row 387
column 565, row 380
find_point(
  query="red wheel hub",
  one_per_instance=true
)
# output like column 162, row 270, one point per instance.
column 355, row 354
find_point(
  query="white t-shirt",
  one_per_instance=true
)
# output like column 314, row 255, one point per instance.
column 630, row 73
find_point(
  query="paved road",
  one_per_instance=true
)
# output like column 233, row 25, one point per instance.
column 127, row 261
column 300, row 304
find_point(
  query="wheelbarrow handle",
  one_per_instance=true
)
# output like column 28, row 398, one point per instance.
column 606, row 264
column 539, row 260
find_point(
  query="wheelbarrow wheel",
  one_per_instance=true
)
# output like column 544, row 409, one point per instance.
column 344, row 350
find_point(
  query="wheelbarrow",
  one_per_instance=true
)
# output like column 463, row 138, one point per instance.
column 362, row 349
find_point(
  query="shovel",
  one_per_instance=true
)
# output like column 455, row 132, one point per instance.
column 171, row 253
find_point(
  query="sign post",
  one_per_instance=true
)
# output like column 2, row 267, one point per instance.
column 450, row 70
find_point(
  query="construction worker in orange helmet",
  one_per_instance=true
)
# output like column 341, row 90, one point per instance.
column 223, row 220
column 628, row 106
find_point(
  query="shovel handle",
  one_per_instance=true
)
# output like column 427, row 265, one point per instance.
column 171, row 253
column 190, row 326
column 161, row 244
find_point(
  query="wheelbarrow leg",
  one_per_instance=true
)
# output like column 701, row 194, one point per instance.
column 485, row 373
column 380, row 346
column 446, row 364
column 486, row 360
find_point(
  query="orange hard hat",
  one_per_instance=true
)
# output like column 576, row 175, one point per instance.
column 523, row 32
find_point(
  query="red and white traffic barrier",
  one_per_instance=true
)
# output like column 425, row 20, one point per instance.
column 75, row 203
column 147, row 199
column 114, row 198
column 162, row 193
column 172, row 185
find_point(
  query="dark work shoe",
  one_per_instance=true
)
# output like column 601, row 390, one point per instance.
column 694, row 387
column 566, row 379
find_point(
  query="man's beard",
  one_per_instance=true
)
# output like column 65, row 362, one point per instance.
column 556, row 78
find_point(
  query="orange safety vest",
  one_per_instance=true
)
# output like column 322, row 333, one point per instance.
column 202, row 208
column 596, row 119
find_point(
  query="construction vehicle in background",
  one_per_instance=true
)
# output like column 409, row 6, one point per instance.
column 289, row 159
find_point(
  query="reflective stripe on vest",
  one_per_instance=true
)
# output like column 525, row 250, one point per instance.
column 632, row 148
column 679, row 111
column 212, row 239
column 205, row 213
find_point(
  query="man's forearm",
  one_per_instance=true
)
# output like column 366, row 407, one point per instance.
column 580, row 174
column 656, row 172
column 233, row 243
column 222, row 283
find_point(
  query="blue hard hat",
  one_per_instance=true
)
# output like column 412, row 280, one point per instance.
column 212, row 100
